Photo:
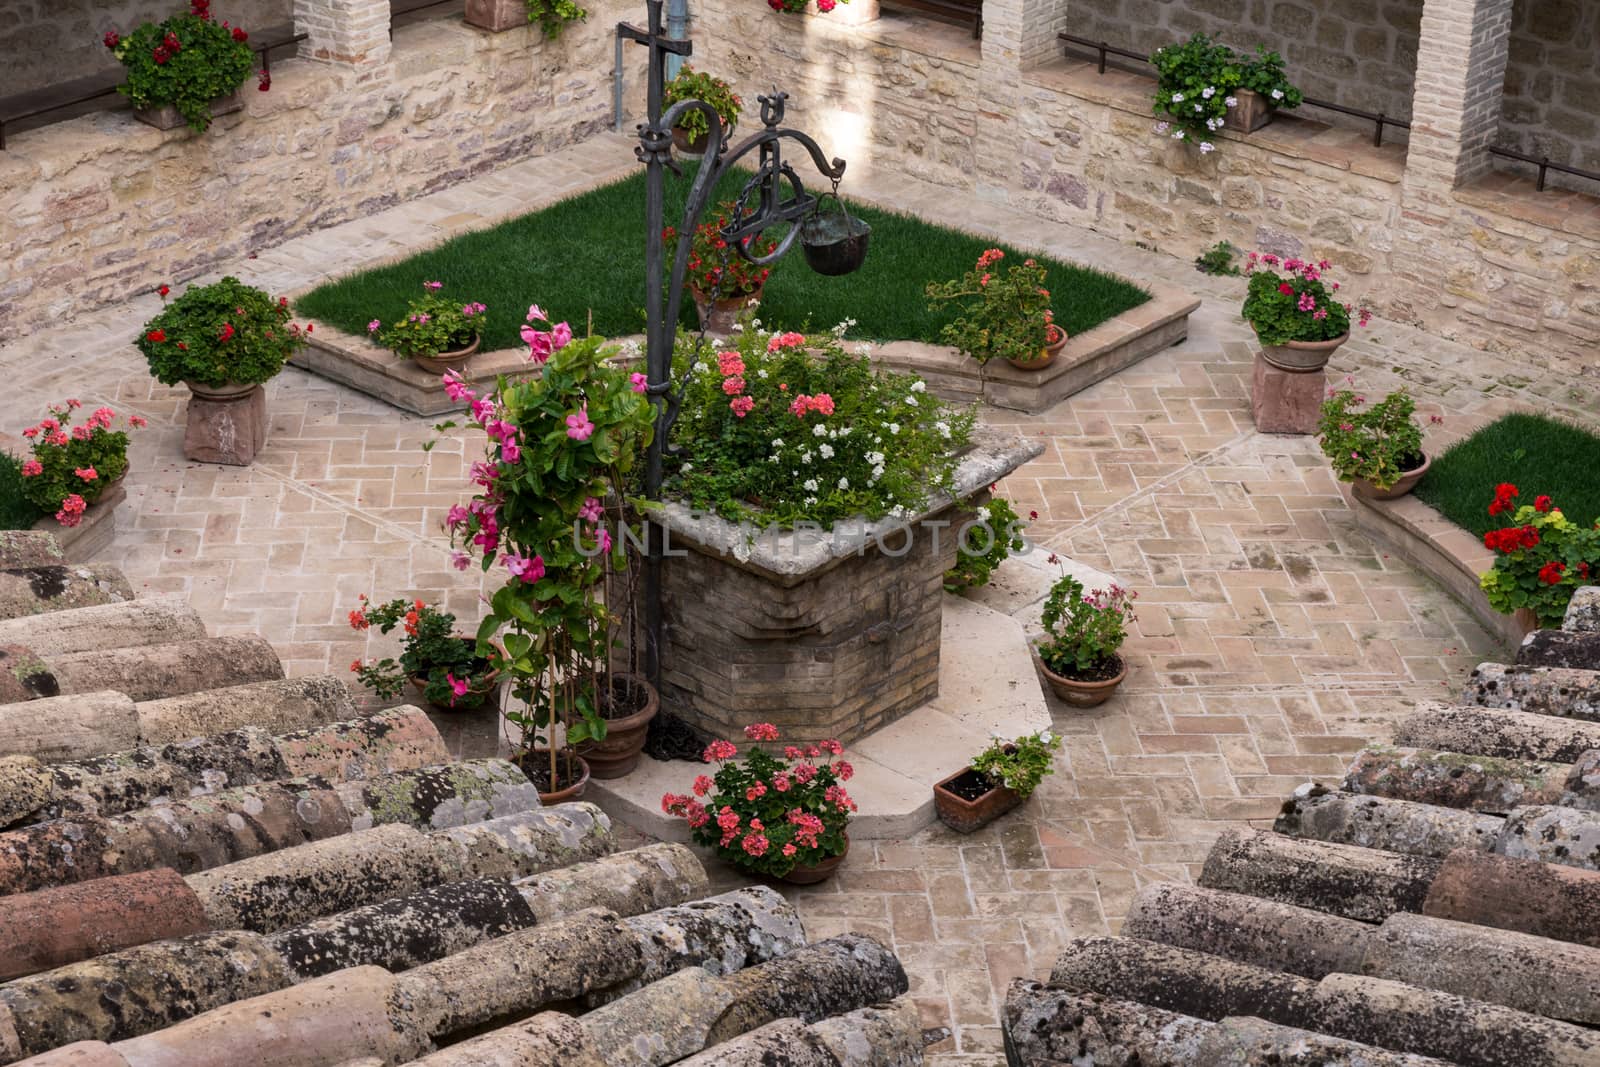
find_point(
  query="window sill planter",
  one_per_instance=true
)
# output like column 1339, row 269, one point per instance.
column 1407, row 482
column 962, row 815
column 166, row 117
column 1083, row 694
column 1252, row 113
column 453, row 360
column 619, row 753
column 497, row 16
column 225, row 423
column 1302, row 357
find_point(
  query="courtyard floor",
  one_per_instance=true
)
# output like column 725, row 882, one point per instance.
column 1273, row 639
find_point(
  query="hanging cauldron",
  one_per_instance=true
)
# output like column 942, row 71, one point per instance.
column 835, row 242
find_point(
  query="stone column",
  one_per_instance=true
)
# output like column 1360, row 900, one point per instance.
column 352, row 33
column 997, row 142
column 1455, row 110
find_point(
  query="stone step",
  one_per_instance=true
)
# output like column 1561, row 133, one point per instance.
column 198, row 833
column 124, row 624
column 1407, row 826
column 1358, row 1008
column 1457, row 780
column 1364, row 884
column 168, row 670
column 693, row 1009
column 1583, row 610
column 151, row 986
column 397, row 739
column 1499, row 733
column 34, row 590
column 1553, row 648
column 1562, row 691
column 1545, row 899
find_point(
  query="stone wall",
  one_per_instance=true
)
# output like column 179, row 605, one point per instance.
column 101, row 207
column 50, row 41
column 1552, row 101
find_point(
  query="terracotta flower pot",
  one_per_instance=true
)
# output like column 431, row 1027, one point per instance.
column 1047, row 354
column 1302, row 357
column 453, row 360
column 1082, row 694
column 167, row 117
column 535, row 763
column 227, row 391
column 720, row 316
column 484, row 685
column 963, row 815
column 696, row 145
column 1407, row 482
column 1252, row 112
column 619, row 752
column 820, row 871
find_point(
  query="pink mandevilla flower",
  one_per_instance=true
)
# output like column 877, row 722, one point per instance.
column 527, row 568
column 639, row 382
column 578, row 425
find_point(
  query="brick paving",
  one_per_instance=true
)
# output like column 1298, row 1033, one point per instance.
column 1273, row 638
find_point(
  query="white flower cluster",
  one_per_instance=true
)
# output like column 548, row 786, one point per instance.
column 842, row 328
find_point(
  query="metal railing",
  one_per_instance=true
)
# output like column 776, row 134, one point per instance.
column 84, row 90
column 1378, row 119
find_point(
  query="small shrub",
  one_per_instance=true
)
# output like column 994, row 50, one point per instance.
column 219, row 334
column 1541, row 557
column 1297, row 305
column 1005, row 315
column 997, row 526
column 1377, row 443
column 452, row 670
column 1196, row 82
column 1018, row 765
column 554, row 15
column 433, row 323
column 1218, row 260
column 1083, row 632
column 72, row 466
column 691, row 84
column 716, row 270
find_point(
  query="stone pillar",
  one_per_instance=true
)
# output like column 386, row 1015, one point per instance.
column 1455, row 110
column 1283, row 401
column 997, row 140
column 352, row 33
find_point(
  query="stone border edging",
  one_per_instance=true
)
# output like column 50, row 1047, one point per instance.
column 1438, row 548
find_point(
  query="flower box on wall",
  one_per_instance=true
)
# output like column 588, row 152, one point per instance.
column 497, row 16
column 824, row 633
column 166, row 117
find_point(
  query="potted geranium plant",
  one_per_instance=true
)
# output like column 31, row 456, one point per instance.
column 785, row 817
column 692, row 132
column 1203, row 86
column 73, row 466
column 1005, row 313
column 1078, row 651
column 437, row 333
column 187, row 69
column 993, row 535
column 1295, row 314
column 222, row 341
column 443, row 664
column 723, row 283
column 1541, row 558
column 551, row 488
column 1377, row 448
column 999, row 778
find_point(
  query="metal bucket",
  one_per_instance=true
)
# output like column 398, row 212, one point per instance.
column 834, row 242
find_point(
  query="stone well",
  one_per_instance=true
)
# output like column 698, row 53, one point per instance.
column 824, row 633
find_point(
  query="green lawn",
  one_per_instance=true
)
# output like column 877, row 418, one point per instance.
column 586, row 255
column 1538, row 455
column 16, row 512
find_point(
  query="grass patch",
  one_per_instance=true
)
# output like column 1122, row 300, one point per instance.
column 1538, row 455
column 586, row 254
column 16, row 511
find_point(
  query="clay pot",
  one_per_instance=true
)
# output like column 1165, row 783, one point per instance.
column 454, row 360
column 1047, row 355
column 696, row 146
column 619, row 752
column 166, row 117
column 720, row 316
column 821, row 871
column 1302, row 357
column 963, row 815
column 538, row 759
column 1252, row 112
column 227, row 391
column 1082, row 694
column 1407, row 482
column 483, row 686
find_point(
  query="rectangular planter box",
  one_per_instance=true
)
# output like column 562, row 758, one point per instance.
column 963, row 815
column 827, row 634
column 1251, row 114
column 166, row 117
column 497, row 16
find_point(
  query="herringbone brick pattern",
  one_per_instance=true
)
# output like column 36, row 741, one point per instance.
column 1273, row 639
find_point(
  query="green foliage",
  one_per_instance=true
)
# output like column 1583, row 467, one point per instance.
column 1297, row 305
column 1004, row 315
column 715, row 268
column 1018, row 765
column 1377, row 443
column 1541, row 557
column 17, row 512
column 432, row 324
column 1196, row 82
column 691, row 84
column 227, row 332
column 787, row 428
column 187, row 61
column 72, row 466
column 1546, row 455
column 1218, row 259
column 998, row 527
column 586, row 254
column 554, row 15
column 1083, row 632
column 559, row 449
column 456, row 676
column 765, row 814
